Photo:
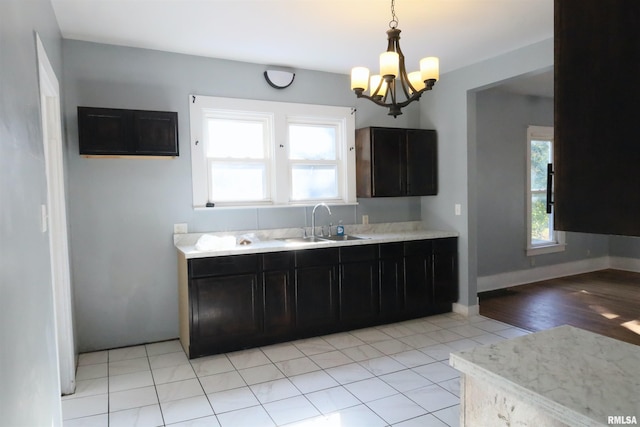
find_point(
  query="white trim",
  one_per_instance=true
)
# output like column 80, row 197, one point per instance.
column 466, row 310
column 521, row 277
column 57, row 218
column 548, row 248
column 282, row 113
column 627, row 264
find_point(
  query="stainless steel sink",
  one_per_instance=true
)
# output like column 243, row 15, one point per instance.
column 342, row 238
column 302, row 240
column 317, row 239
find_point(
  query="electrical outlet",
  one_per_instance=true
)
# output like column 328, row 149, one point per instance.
column 365, row 219
column 180, row 228
column 458, row 209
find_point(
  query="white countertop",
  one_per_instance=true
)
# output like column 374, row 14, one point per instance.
column 576, row 376
column 371, row 234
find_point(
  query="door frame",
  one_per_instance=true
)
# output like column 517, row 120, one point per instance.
column 56, row 219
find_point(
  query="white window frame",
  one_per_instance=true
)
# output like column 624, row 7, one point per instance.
column 544, row 133
column 278, row 116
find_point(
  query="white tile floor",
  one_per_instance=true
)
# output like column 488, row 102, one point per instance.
column 391, row 375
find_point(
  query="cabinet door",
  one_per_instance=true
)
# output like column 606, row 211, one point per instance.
column 388, row 160
column 103, row 131
column 155, row 133
column 278, row 293
column 422, row 163
column 358, row 284
column 445, row 270
column 391, row 280
column 418, row 285
column 224, row 308
column 316, row 298
column 596, row 150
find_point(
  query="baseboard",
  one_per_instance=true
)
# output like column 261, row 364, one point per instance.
column 466, row 310
column 520, row 277
column 626, row 264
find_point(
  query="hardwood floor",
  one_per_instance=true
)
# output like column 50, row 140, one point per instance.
column 606, row 302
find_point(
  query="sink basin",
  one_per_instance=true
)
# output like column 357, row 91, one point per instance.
column 341, row 238
column 301, row 240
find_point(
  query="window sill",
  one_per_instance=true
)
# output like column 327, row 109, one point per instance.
column 271, row 206
column 546, row 249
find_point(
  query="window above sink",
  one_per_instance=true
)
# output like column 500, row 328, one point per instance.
column 260, row 153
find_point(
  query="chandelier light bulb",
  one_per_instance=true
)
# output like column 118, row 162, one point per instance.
column 415, row 78
column 389, row 64
column 359, row 78
column 430, row 68
column 374, row 83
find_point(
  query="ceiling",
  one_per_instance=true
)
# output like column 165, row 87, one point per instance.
column 323, row 35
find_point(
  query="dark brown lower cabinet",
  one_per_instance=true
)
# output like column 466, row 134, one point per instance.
column 242, row 301
column 418, row 290
column 445, row 270
column 225, row 304
column 316, row 290
column 278, row 290
column 358, row 285
column 391, row 266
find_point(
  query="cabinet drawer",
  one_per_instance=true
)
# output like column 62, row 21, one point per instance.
column 446, row 245
column 276, row 261
column 391, row 250
column 417, row 247
column 224, row 265
column 358, row 253
column 313, row 257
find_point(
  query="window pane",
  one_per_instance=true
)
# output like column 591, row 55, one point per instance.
column 235, row 139
column 310, row 182
column 307, row 142
column 541, row 225
column 540, row 157
column 238, row 182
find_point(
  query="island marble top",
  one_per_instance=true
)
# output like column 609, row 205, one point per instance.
column 267, row 240
column 579, row 377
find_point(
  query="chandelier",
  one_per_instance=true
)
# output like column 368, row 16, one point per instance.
column 393, row 80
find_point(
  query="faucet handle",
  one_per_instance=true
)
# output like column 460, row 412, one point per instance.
column 304, row 232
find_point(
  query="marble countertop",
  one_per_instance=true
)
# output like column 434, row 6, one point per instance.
column 266, row 240
column 576, row 376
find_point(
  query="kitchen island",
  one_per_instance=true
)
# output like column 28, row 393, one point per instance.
column 563, row 376
column 281, row 287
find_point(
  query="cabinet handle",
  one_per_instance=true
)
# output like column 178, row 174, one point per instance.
column 549, row 187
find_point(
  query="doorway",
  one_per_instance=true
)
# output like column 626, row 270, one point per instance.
column 54, row 218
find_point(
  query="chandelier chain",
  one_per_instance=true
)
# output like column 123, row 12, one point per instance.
column 394, row 19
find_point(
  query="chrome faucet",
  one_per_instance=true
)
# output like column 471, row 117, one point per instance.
column 313, row 218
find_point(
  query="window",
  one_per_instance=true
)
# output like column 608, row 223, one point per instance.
column 260, row 153
column 541, row 237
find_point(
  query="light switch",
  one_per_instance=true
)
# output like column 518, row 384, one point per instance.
column 458, row 209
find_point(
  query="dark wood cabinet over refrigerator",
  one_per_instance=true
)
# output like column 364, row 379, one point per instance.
column 392, row 162
column 118, row 132
column 597, row 147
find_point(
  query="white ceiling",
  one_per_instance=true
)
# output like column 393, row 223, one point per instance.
column 324, row 35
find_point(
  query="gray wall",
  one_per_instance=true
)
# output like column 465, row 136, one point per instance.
column 626, row 247
column 450, row 109
column 122, row 211
column 501, row 126
column 29, row 395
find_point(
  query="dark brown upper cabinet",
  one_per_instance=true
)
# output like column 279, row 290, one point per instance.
column 110, row 131
column 392, row 162
column 597, row 149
